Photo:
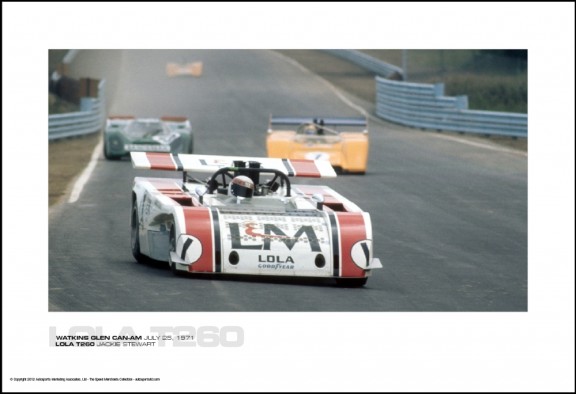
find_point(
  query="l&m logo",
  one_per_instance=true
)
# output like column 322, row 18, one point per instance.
column 272, row 232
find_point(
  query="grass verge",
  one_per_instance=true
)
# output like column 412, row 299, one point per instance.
column 67, row 158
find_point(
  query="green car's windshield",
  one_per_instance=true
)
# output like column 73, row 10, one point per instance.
column 144, row 129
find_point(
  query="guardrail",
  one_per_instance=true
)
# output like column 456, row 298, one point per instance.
column 367, row 62
column 89, row 119
column 425, row 106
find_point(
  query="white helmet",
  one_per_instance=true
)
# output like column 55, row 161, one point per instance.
column 241, row 186
column 310, row 129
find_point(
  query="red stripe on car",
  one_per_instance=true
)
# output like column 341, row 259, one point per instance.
column 161, row 161
column 306, row 168
column 352, row 230
column 199, row 224
column 165, row 185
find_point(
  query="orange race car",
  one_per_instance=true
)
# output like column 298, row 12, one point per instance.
column 175, row 69
column 341, row 140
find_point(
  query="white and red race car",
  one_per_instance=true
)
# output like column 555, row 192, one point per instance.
column 247, row 218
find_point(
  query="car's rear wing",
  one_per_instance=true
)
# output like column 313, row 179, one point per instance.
column 209, row 163
column 332, row 121
column 119, row 120
column 175, row 119
column 121, row 117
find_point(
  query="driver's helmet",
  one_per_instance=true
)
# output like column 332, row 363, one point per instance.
column 241, row 186
column 310, row 129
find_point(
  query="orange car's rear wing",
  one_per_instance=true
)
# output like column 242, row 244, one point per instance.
column 210, row 163
column 332, row 121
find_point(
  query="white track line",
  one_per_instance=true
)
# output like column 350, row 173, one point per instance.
column 479, row 144
column 81, row 181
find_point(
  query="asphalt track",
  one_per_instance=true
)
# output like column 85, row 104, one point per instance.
column 449, row 218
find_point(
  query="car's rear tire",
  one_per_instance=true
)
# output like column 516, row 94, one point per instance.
column 346, row 172
column 351, row 282
column 135, row 235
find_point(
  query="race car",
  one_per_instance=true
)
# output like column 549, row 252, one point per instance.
column 341, row 140
column 125, row 134
column 247, row 218
column 175, row 69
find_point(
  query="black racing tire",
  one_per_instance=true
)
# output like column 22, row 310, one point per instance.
column 135, row 236
column 354, row 172
column 351, row 282
column 107, row 155
column 191, row 144
column 173, row 249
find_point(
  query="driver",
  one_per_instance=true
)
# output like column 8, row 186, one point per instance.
column 241, row 187
column 309, row 129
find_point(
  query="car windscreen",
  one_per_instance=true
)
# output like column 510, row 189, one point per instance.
column 145, row 129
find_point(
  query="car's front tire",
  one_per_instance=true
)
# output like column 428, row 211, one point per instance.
column 351, row 282
column 107, row 154
column 173, row 249
column 191, row 144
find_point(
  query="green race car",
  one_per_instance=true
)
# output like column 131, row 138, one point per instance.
column 124, row 134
